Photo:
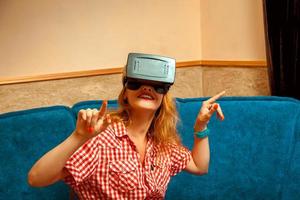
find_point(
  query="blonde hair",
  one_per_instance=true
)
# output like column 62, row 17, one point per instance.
column 163, row 126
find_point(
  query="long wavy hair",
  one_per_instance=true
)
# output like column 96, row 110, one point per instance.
column 164, row 123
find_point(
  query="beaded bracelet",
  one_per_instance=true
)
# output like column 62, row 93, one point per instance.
column 202, row 134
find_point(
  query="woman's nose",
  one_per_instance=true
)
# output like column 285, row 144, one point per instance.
column 147, row 88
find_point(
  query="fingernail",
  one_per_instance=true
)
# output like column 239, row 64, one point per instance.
column 216, row 106
column 90, row 129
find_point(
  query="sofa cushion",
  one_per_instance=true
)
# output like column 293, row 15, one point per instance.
column 253, row 151
column 25, row 137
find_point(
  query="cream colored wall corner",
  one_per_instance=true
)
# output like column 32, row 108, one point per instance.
column 190, row 82
column 232, row 30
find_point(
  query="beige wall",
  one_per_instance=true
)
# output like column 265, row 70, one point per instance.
column 232, row 30
column 52, row 36
column 49, row 36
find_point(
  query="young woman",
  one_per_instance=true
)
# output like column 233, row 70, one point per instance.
column 129, row 154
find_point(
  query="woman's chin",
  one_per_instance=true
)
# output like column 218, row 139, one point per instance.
column 146, row 105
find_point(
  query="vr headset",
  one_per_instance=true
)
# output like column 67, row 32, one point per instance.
column 147, row 69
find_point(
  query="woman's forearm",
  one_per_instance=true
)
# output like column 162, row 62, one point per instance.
column 49, row 168
column 201, row 154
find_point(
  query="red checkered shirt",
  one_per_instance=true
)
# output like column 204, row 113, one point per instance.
column 108, row 167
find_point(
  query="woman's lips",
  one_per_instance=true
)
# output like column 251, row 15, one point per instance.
column 146, row 97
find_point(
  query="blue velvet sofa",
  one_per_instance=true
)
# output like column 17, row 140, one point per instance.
column 255, row 151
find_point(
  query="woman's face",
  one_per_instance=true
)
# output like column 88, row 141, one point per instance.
column 144, row 98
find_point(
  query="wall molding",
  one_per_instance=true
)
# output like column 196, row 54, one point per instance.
column 118, row 70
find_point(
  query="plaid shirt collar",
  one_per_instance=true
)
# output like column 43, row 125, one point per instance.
column 121, row 130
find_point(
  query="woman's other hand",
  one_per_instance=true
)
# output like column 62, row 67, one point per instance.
column 207, row 110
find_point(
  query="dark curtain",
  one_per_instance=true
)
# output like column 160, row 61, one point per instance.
column 282, row 25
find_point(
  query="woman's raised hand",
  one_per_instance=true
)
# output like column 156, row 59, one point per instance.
column 207, row 110
column 91, row 122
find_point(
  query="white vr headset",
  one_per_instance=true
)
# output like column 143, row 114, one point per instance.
column 154, row 70
column 150, row 67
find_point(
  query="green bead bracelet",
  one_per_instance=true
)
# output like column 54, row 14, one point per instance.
column 202, row 134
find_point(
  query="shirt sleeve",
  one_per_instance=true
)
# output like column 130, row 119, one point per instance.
column 83, row 162
column 180, row 156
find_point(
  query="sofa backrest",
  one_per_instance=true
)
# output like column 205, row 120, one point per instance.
column 255, row 151
column 25, row 136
